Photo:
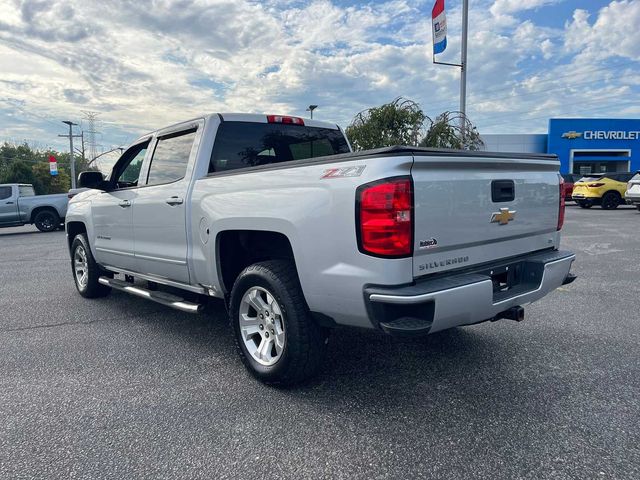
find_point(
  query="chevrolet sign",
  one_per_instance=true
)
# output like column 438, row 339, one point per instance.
column 611, row 135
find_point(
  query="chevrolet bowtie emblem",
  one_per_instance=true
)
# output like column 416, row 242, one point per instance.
column 503, row 217
column 571, row 135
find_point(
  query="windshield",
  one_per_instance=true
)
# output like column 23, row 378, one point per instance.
column 250, row 144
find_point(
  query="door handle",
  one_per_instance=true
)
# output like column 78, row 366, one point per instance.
column 9, row 203
column 125, row 203
column 175, row 200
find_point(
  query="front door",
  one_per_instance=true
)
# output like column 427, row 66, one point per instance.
column 159, row 213
column 112, row 211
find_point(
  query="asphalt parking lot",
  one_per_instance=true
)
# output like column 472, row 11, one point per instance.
column 123, row 388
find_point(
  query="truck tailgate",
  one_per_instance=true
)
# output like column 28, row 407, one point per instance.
column 475, row 209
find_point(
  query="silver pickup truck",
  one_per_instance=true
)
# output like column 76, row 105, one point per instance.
column 20, row 205
column 276, row 215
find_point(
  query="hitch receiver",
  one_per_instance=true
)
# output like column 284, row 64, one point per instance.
column 514, row 313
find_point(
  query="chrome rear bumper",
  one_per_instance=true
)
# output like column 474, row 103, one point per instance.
column 436, row 304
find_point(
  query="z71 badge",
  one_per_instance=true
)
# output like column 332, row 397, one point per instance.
column 343, row 172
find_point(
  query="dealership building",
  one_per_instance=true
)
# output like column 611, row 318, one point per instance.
column 583, row 145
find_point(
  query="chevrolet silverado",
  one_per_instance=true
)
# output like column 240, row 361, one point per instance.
column 297, row 234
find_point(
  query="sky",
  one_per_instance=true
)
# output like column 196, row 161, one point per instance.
column 146, row 64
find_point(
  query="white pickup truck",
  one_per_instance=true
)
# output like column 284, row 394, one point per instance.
column 276, row 215
column 20, row 205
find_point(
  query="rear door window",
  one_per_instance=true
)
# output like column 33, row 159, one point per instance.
column 250, row 144
column 5, row 192
column 171, row 157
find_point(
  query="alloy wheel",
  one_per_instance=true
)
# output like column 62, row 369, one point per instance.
column 262, row 326
column 80, row 267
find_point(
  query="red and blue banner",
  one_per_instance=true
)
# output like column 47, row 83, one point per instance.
column 53, row 165
column 439, row 27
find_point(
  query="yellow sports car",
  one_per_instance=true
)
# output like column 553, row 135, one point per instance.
column 604, row 189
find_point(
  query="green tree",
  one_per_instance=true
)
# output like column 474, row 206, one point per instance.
column 402, row 122
column 23, row 164
column 446, row 132
column 45, row 183
column 18, row 171
column 396, row 123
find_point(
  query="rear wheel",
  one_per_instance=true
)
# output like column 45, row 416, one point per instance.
column 584, row 203
column 86, row 271
column 610, row 200
column 46, row 220
column 276, row 337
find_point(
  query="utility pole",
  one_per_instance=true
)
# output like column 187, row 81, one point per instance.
column 70, row 136
column 81, row 151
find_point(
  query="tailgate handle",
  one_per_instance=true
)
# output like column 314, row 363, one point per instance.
column 503, row 191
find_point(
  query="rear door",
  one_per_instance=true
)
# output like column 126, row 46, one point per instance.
column 8, row 204
column 475, row 209
column 160, row 212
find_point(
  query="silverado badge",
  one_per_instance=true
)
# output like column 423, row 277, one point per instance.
column 503, row 217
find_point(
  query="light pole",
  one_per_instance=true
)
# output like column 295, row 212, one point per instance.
column 311, row 108
column 71, row 160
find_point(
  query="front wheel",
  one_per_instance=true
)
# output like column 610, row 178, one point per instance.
column 86, row 271
column 276, row 337
column 584, row 204
column 46, row 220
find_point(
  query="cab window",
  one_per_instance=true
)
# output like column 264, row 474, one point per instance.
column 5, row 192
column 26, row 191
column 171, row 157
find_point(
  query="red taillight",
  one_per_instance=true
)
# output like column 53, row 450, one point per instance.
column 385, row 219
column 561, row 205
column 595, row 185
column 285, row 119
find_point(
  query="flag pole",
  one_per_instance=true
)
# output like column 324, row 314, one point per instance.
column 463, row 68
column 438, row 16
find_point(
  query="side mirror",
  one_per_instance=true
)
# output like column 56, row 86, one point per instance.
column 91, row 180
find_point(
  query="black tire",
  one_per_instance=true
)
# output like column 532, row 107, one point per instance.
column 610, row 200
column 92, row 288
column 584, row 204
column 46, row 220
column 305, row 344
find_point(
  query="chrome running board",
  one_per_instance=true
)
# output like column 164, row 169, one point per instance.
column 163, row 298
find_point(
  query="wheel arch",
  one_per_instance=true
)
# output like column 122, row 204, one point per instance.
column 43, row 208
column 73, row 229
column 615, row 192
column 237, row 249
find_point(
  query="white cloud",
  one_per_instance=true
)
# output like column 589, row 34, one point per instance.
column 615, row 31
column 502, row 7
column 146, row 64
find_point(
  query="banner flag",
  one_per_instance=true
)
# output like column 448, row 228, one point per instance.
column 439, row 27
column 53, row 165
